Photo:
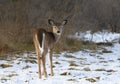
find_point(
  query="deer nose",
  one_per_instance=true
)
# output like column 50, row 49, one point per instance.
column 58, row 31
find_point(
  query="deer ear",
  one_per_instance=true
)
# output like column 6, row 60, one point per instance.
column 64, row 22
column 50, row 21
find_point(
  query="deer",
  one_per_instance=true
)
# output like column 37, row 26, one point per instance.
column 44, row 42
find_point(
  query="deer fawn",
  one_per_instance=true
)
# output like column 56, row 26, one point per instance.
column 44, row 42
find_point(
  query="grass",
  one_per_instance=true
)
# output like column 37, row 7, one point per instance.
column 106, row 51
column 119, row 40
column 30, row 61
column 71, row 80
column 5, row 65
column 65, row 73
column 65, row 44
column 111, row 70
column 102, row 69
column 68, row 45
column 15, row 48
column 26, row 67
column 56, row 63
column 86, row 69
column 72, row 63
column 94, row 79
column 69, row 56
column 3, row 80
column 22, row 46
column 12, row 74
column 73, row 45
column 91, row 79
column 118, row 59
column 105, row 44
column 3, row 49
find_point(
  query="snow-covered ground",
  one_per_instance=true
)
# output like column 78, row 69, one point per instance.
column 97, row 37
column 82, row 67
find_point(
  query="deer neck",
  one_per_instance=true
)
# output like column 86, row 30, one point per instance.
column 56, row 37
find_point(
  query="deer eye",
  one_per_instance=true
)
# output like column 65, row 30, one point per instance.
column 55, row 27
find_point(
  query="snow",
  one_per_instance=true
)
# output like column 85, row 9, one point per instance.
column 101, row 36
column 82, row 67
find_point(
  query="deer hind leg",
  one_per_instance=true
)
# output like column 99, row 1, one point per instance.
column 51, row 65
column 39, row 62
column 39, row 65
column 38, row 56
column 44, row 64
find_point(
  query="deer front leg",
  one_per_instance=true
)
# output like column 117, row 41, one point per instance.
column 44, row 66
column 51, row 65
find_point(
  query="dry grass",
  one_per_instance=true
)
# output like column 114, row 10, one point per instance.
column 5, row 65
column 91, row 79
column 102, row 69
column 72, row 45
column 105, row 44
column 30, row 61
column 65, row 73
column 72, row 63
column 65, row 44
column 86, row 69
column 18, row 18
column 71, row 80
column 3, row 50
column 12, row 74
column 106, row 51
